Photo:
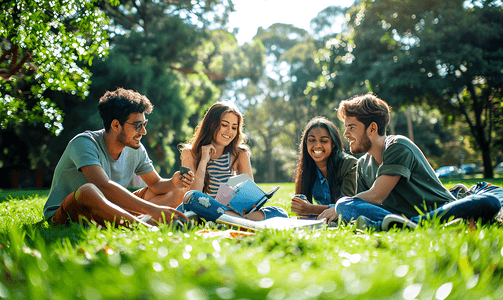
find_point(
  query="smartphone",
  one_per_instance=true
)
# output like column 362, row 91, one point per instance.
column 184, row 170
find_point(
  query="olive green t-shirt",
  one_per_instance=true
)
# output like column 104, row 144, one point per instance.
column 418, row 186
column 348, row 174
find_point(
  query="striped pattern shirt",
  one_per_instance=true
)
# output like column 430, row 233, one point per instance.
column 219, row 170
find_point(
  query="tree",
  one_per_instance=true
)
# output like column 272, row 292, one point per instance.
column 157, row 46
column 159, row 50
column 42, row 44
column 446, row 53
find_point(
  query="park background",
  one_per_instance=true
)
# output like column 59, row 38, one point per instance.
column 437, row 63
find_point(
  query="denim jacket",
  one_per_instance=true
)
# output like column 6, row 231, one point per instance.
column 321, row 190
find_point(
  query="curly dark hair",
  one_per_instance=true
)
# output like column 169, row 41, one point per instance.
column 367, row 109
column 306, row 174
column 120, row 103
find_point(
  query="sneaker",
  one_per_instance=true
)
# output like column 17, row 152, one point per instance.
column 145, row 218
column 391, row 220
column 193, row 218
column 364, row 223
column 482, row 187
column 459, row 191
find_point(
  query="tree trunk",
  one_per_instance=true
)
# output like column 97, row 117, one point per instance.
column 270, row 162
column 486, row 155
column 408, row 115
column 392, row 123
column 479, row 128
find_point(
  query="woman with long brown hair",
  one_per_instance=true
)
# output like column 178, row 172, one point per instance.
column 217, row 151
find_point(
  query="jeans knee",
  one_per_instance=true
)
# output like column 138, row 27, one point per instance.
column 274, row 211
column 192, row 194
column 342, row 203
column 494, row 203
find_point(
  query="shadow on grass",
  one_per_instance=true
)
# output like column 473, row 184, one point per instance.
column 50, row 234
column 8, row 194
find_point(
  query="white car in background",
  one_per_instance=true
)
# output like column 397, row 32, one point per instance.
column 499, row 168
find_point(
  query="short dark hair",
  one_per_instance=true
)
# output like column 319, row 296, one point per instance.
column 120, row 103
column 367, row 109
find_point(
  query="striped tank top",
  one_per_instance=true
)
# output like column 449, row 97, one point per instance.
column 219, row 170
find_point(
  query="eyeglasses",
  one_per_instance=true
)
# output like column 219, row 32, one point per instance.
column 138, row 125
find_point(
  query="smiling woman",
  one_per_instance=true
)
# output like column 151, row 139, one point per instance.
column 324, row 172
column 217, row 151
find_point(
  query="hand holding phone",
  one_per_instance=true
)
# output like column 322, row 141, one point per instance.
column 184, row 170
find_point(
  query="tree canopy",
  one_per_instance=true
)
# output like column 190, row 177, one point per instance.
column 446, row 53
column 45, row 45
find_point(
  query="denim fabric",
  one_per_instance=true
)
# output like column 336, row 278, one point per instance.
column 484, row 205
column 274, row 211
column 204, row 206
column 210, row 209
column 321, row 190
column 487, row 188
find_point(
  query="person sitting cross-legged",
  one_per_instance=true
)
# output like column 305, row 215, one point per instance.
column 215, row 153
column 395, row 182
column 91, row 176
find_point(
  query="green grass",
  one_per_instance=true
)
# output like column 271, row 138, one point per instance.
column 432, row 262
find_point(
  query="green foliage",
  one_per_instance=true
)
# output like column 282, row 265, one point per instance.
column 445, row 53
column 159, row 49
column 147, row 70
column 44, row 45
column 277, row 108
column 45, row 262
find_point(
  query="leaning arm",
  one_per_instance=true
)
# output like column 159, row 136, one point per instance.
column 157, row 184
column 380, row 190
column 189, row 161
column 244, row 164
column 114, row 192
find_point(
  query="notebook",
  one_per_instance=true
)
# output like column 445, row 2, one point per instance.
column 241, row 193
column 276, row 223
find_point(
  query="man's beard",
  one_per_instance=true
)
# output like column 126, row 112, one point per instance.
column 122, row 139
column 364, row 145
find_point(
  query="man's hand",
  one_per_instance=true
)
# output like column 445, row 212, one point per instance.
column 328, row 214
column 168, row 211
column 301, row 207
column 183, row 181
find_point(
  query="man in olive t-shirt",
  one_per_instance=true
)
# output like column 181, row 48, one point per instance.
column 395, row 182
column 418, row 186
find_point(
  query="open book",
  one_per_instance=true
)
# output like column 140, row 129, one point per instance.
column 241, row 193
column 277, row 223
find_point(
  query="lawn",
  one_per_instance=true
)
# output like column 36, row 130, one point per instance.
column 463, row 261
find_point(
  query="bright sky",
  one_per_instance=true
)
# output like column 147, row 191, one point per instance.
column 252, row 14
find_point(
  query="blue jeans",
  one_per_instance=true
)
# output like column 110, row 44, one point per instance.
column 484, row 205
column 210, row 209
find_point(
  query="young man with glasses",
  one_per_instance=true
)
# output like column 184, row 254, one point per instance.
column 395, row 182
column 91, row 177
